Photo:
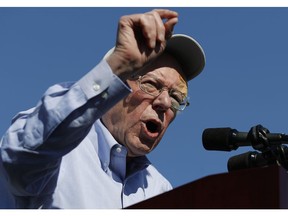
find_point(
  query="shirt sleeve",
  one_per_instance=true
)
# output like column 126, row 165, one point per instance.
column 32, row 147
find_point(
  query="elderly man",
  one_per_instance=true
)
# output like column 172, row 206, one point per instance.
column 84, row 144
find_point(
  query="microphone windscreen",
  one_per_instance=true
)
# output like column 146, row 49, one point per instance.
column 249, row 160
column 217, row 139
column 241, row 161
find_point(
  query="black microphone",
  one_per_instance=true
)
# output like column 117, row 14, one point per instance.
column 251, row 159
column 227, row 139
column 254, row 159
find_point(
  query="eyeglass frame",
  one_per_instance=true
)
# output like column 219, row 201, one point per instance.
column 183, row 104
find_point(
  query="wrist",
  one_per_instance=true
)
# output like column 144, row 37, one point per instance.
column 121, row 66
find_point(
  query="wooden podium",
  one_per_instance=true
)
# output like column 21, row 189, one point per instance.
column 259, row 188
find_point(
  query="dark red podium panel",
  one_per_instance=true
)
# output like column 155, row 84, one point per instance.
column 259, row 188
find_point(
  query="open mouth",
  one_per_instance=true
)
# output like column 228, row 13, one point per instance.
column 152, row 127
column 150, row 131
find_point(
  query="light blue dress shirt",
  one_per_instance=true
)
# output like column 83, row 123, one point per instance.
column 59, row 154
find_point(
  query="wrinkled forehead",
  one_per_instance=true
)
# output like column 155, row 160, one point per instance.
column 171, row 65
column 168, row 69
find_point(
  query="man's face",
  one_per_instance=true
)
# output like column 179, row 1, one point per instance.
column 140, row 120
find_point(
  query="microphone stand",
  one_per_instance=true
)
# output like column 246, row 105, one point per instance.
column 266, row 152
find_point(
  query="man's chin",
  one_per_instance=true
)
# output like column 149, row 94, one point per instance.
column 136, row 152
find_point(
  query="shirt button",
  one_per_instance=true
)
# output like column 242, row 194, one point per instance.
column 118, row 149
column 105, row 164
column 96, row 87
column 104, row 95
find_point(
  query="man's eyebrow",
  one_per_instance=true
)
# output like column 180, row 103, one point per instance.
column 161, row 79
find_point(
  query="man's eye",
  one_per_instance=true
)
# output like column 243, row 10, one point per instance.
column 176, row 100
column 177, row 97
column 150, row 85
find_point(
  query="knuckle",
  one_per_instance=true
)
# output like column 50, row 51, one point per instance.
column 123, row 21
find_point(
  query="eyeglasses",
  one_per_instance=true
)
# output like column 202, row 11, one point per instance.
column 152, row 86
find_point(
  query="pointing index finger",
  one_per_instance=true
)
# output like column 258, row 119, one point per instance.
column 171, row 20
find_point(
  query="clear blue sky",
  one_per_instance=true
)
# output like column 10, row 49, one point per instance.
column 244, row 82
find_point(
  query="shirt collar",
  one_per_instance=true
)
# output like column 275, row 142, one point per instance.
column 108, row 144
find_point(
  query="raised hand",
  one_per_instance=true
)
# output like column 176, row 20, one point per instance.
column 140, row 39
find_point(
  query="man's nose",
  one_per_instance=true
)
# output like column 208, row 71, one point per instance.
column 162, row 101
